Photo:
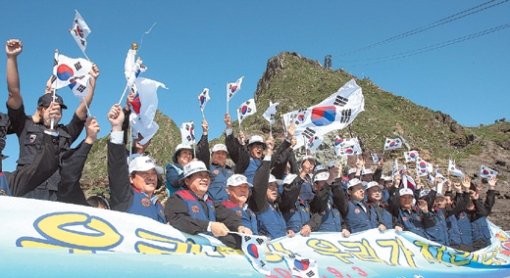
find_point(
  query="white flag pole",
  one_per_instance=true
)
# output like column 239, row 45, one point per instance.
column 123, row 93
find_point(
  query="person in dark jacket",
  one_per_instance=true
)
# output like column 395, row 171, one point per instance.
column 265, row 201
column 409, row 217
column 238, row 189
column 360, row 217
column 247, row 159
column 383, row 217
column 30, row 129
column 132, row 187
column 190, row 210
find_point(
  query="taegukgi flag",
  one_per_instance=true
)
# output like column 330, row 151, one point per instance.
column 69, row 70
column 233, row 88
column 335, row 112
column 203, row 98
column 246, row 109
column 80, row 31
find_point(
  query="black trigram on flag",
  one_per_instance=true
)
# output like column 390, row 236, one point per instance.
column 340, row 101
column 77, row 65
column 81, row 88
column 308, row 133
column 345, row 116
column 310, row 273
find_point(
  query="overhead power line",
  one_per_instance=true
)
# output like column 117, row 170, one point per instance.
column 436, row 46
column 473, row 10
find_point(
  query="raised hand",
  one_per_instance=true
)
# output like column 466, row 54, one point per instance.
column 466, row 183
column 13, row 47
column 205, row 127
column 92, row 129
column 94, row 72
column 116, row 117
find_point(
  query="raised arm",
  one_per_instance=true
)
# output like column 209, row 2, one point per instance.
column 81, row 111
column 13, row 48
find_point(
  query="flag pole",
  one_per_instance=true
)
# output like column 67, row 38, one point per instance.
column 86, row 106
column 123, row 93
column 203, row 114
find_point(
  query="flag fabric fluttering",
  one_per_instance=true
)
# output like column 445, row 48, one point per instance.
column 188, row 133
column 233, row 88
column 453, row 170
column 411, row 156
column 335, row 112
column 486, row 172
column 253, row 247
column 145, row 106
column 246, row 109
column 392, row 144
column 80, row 31
column 347, row 147
column 133, row 66
column 72, row 72
column 312, row 141
column 302, row 267
column 270, row 112
column 423, row 168
column 203, row 98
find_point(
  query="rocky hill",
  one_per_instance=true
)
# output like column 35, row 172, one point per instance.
column 297, row 82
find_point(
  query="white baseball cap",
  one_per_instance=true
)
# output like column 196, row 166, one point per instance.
column 274, row 179
column 180, row 147
column 219, row 148
column 256, row 139
column 321, row 176
column 372, row 184
column 351, row 171
column 238, row 179
column 353, row 182
column 144, row 163
column 367, row 171
column 406, row 191
column 193, row 167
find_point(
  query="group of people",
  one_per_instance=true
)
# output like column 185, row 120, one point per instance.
column 269, row 191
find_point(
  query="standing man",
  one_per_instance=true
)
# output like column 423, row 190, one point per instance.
column 30, row 129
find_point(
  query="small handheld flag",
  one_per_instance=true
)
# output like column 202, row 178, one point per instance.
column 269, row 115
column 486, row 172
column 411, row 156
column 80, row 32
column 453, row 170
column 203, row 98
column 188, row 133
column 246, row 109
column 254, row 247
column 392, row 144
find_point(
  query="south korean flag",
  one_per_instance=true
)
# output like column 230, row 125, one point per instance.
column 302, row 267
column 486, row 172
column 254, row 248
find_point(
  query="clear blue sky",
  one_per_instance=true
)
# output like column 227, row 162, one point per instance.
column 199, row 43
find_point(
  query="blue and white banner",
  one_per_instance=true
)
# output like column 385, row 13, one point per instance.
column 41, row 238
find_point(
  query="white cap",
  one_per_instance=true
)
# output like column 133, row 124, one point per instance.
column 256, row 139
column 372, row 184
column 238, row 179
column 424, row 193
column 183, row 146
column 321, row 176
column 405, row 191
column 351, row 171
column 274, row 179
column 367, row 171
column 219, row 148
column 193, row 167
column 353, row 182
column 179, row 147
column 144, row 163
column 289, row 178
